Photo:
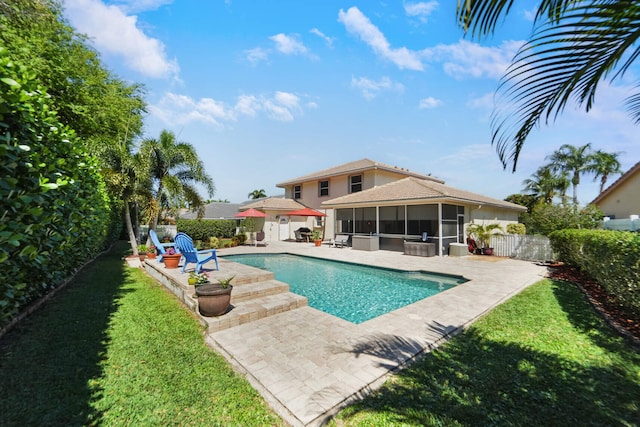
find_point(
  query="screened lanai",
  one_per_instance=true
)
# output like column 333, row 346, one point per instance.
column 405, row 210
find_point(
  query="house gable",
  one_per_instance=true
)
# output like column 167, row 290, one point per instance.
column 621, row 199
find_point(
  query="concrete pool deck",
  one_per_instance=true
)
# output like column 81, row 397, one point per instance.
column 308, row 364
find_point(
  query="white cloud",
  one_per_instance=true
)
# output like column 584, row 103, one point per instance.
column 484, row 102
column 530, row 15
column 420, row 10
column 327, row 39
column 113, row 32
column 370, row 88
column 178, row 109
column 135, row 6
column 467, row 59
column 256, row 55
column 429, row 102
column 289, row 45
column 358, row 24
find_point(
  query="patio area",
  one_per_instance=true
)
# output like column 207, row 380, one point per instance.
column 308, row 364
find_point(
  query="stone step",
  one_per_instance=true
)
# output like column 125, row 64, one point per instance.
column 257, row 308
column 249, row 291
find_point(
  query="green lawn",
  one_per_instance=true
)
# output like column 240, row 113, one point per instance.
column 115, row 348
column 541, row 359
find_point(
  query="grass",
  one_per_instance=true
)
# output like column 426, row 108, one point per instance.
column 115, row 348
column 542, row 358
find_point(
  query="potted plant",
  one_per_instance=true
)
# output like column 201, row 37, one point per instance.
column 316, row 236
column 142, row 251
column 151, row 252
column 214, row 298
column 481, row 233
column 171, row 258
column 198, row 279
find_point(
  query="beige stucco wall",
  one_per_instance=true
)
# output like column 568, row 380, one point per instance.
column 624, row 200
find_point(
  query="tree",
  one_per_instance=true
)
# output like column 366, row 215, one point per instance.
column 174, row 168
column 605, row 165
column 575, row 45
column 257, row 194
column 574, row 161
column 542, row 185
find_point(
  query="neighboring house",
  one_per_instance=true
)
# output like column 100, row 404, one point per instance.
column 622, row 198
column 367, row 197
column 277, row 225
column 215, row 210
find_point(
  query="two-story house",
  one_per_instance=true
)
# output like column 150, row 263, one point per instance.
column 367, row 197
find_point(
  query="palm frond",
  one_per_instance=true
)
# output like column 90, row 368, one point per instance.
column 480, row 17
column 564, row 63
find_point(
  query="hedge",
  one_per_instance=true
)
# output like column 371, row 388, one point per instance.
column 612, row 258
column 203, row 229
column 53, row 203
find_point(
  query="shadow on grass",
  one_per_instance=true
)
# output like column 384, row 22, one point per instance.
column 472, row 380
column 49, row 362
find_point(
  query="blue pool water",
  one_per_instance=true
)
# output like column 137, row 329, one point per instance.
column 352, row 292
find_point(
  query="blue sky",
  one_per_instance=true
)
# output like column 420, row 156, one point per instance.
column 269, row 91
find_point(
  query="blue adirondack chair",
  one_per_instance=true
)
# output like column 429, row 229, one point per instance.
column 184, row 243
column 161, row 247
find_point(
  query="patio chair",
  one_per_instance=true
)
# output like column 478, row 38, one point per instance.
column 340, row 241
column 161, row 247
column 191, row 255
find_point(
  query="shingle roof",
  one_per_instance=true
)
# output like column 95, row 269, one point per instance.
column 628, row 174
column 273, row 203
column 355, row 167
column 414, row 189
column 215, row 210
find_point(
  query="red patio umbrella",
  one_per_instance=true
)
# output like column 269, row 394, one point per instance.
column 251, row 213
column 305, row 212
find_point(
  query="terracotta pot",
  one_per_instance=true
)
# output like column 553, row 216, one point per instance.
column 171, row 261
column 318, row 242
column 142, row 257
column 213, row 299
column 151, row 256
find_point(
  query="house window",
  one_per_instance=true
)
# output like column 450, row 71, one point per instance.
column 323, row 188
column 297, row 191
column 355, row 183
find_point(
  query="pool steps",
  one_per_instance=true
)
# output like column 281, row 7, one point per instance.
column 256, row 294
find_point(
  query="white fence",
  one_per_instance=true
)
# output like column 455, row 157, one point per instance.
column 622, row 224
column 520, row 246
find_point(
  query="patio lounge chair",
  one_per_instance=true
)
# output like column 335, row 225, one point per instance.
column 340, row 241
column 184, row 243
column 161, row 247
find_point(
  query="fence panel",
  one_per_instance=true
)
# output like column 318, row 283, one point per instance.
column 524, row 247
column 622, row 224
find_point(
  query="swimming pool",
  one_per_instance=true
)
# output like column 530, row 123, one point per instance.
column 353, row 292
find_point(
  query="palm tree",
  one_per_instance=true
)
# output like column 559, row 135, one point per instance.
column 542, row 185
column 257, row 194
column 575, row 45
column 605, row 165
column 573, row 161
column 174, row 168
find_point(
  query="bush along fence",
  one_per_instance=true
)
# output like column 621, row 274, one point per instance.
column 612, row 258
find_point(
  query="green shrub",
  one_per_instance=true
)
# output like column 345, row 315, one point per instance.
column 612, row 258
column 545, row 219
column 516, row 229
column 53, row 203
column 204, row 229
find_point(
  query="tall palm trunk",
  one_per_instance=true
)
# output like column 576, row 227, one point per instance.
column 132, row 235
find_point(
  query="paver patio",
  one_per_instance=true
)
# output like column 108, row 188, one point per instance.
column 308, row 364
